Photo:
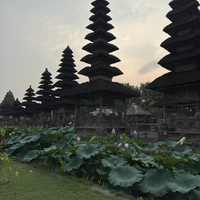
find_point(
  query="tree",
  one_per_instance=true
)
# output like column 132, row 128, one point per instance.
column 147, row 98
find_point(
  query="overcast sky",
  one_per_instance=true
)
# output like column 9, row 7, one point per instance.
column 33, row 34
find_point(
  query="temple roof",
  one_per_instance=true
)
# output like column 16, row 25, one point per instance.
column 175, row 3
column 136, row 110
column 176, row 79
column 171, row 43
column 113, row 88
column 103, row 69
column 189, row 9
column 100, row 55
column 170, row 61
column 193, row 22
column 91, row 47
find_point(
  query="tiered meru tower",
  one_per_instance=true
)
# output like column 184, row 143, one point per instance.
column 29, row 103
column 183, row 80
column 45, row 94
column 100, row 91
column 67, row 80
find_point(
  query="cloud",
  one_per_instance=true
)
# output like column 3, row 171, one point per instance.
column 148, row 67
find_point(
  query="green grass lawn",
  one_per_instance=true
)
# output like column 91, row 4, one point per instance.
column 41, row 185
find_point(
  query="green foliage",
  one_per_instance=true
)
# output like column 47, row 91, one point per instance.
column 183, row 182
column 147, row 98
column 154, row 182
column 6, row 174
column 138, row 169
column 125, row 176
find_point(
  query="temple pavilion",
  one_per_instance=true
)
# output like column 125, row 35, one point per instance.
column 45, row 95
column 100, row 92
column 183, row 62
column 66, row 80
column 29, row 103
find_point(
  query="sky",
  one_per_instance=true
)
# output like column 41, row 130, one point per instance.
column 33, row 34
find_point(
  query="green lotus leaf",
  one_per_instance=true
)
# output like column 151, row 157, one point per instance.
column 195, row 157
column 146, row 159
column 103, row 170
column 31, row 138
column 36, row 137
column 22, row 153
column 101, row 146
column 176, row 196
column 168, row 143
column 154, row 182
column 64, row 153
column 68, row 129
column 30, row 156
column 193, row 167
column 113, row 161
column 125, row 176
column 74, row 163
column 13, row 139
column 87, row 151
column 169, row 161
column 13, row 148
column 181, row 152
column 42, row 158
column 195, row 195
column 182, row 182
column 151, row 146
column 51, row 149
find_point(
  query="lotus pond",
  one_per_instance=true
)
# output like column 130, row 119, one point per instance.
column 116, row 162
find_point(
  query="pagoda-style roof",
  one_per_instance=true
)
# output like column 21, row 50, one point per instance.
column 176, row 79
column 177, row 3
column 16, row 109
column 100, row 58
column 171, row 44
column 191, row 22
column 66, row 81
column 100, row 33
column 100, row 72
column 189, row 9
column 100, row 55
column 114, row 89
column 102, row 69
column 5, row 106
column 8, row 99
column 136, row 110
column 91, row 47
column 46, row 93
column 171, row 60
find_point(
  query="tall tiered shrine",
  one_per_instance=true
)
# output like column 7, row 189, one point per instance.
column 29, row 103
column 100, row 92
column 45, row 94
column 66, row 81
column 183, row 62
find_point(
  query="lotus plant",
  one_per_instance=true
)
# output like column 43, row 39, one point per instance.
column 120, row 144
column 78, row 138
column 113, row 131
column 126, row 145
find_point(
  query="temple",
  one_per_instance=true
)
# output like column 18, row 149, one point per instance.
column 66, row 81
column 183, row 62
column 45, row 95
column 29, row 103
column 100, row 92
